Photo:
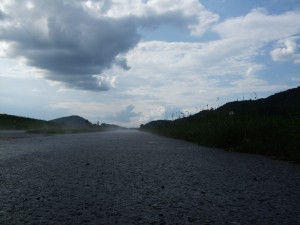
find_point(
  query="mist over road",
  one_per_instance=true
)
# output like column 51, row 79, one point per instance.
column 132, row 177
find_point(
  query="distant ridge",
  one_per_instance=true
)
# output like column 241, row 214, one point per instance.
column 72, row 121
column 106, row 126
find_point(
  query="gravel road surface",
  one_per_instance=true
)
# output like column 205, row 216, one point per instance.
column 132, row 177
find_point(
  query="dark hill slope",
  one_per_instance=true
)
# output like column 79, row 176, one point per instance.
column 268, row 126
column 286, row 103
column 106, row 126
column 10, row 122
column 72, row 121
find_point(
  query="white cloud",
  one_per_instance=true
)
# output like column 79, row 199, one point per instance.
column 260, row 27
column 186, row 62
column 287, row 51
column 106, row 83
column 29, row 5
column 124, row 116
column 189, row 14
column 4, row 49
column 156, row 113
column 147, row 80
column 175, row 74
column 187, row 75
column 72, row 41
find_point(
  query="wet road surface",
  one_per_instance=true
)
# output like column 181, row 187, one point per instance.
column 139, row 178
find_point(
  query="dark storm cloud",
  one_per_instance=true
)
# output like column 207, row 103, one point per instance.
column 69, row 43
column 75, row 41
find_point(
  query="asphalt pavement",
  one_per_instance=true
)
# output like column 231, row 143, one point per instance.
column 132, row 177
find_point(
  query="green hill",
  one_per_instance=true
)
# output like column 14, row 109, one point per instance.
column 269, row 126
column 73, row 121
column 286, row 104
column 68, row 124
column 10, row 122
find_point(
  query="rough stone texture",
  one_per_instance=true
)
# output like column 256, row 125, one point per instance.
column 139, row 178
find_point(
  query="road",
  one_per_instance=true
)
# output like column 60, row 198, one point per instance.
column 132, row 177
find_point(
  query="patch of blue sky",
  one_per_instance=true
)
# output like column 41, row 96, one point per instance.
column 243, row 96
column 282, row 72
column 234, row 8
column 225, row 9
column 276, row 72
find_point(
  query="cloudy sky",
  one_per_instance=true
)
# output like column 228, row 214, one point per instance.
column 131, row 61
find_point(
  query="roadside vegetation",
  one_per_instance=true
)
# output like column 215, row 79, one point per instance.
column 268, row 126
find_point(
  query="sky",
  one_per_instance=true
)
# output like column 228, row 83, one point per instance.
column 128, row 62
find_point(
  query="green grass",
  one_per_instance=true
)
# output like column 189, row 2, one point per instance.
column 276, row 136
column 269, row 126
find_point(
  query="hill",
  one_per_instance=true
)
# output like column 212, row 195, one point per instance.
column 286, row 103
column 269, row 126
column 72, row 121
column 106, row 126
column 11, row 122
column 68, row 124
